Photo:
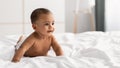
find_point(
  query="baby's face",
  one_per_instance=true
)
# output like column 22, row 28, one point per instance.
column 45, row 24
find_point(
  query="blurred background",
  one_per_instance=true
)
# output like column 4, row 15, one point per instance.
column 70, row 15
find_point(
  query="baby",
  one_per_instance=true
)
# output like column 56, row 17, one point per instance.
column 41, row 40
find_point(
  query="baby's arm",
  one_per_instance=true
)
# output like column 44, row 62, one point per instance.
column 23, row 48
column 56, row 47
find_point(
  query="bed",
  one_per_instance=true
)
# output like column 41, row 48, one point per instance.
column 92, row 49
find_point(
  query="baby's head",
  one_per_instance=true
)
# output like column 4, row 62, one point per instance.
column 42, row 21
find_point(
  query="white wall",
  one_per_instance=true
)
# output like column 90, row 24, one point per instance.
column 56, row 6
column 112, row 15
column 10, row 17
column 15, row 15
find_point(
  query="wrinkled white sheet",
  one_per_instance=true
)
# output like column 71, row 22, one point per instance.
column 82, row 50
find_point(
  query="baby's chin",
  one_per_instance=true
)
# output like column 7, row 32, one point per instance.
column 49, row 33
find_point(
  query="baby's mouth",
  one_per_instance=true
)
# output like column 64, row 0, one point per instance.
column 50, row 31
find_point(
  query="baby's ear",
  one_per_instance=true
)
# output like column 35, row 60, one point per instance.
column 34, row 26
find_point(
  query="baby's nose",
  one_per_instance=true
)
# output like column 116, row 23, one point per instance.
column 51, row 27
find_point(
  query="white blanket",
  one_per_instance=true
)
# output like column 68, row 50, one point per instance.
column 82, row 50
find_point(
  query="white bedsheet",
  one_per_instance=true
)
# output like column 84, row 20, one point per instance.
column 82, row 50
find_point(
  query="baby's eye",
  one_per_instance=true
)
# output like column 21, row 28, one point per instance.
column 46, row 24
column 52, row 23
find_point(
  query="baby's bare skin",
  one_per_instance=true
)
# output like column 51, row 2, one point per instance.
column 40, row 46
column 35, row 45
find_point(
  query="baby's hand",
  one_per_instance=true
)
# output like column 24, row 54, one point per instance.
column 15, row 60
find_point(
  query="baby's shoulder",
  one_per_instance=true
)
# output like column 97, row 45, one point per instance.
column 30, row 38
column 52, row 37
